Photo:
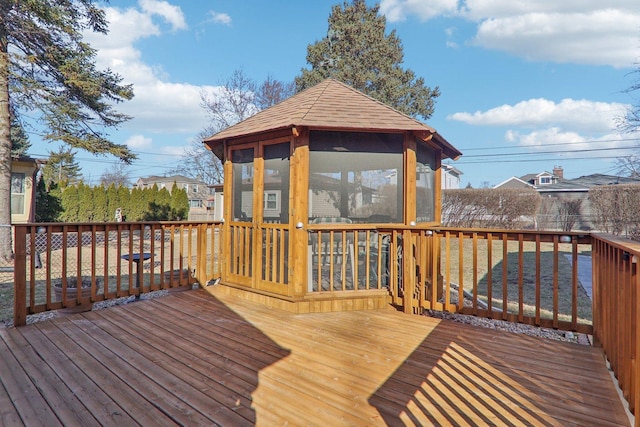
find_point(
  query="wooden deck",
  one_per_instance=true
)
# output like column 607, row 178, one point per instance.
column 194, row 359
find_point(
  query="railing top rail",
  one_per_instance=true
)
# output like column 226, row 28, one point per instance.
column 619, row 242
column 504, row 231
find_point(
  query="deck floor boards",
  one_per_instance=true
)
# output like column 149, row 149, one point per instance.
column 191, row 358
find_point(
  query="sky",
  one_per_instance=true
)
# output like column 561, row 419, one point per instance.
column 525, row 85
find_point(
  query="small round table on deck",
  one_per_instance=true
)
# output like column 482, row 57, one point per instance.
column 139, row 276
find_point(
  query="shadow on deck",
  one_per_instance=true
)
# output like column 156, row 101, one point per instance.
column 195, row 359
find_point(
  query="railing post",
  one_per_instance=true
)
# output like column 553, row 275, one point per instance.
column 635, row 400
column 201, row 249
column 20, row 277
column 408, row 272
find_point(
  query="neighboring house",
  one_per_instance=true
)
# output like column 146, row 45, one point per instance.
column 534, row 180
column 579, row 189
column 216, row 199
column 322, row 201
column 450, row 177
column 23, row 194
column 201, row 202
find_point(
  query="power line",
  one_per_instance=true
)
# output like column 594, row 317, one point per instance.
column 553, row 144
column 586, row 150
column 564, row 159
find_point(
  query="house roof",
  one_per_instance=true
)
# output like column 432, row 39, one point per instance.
column 452, row 170
column 172, row 178
column 585, row 182
column 515, row 182
column 330, row 105
column 532, row 176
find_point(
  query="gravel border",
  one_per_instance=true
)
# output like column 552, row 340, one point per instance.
column 101, row 305
column 518, row 328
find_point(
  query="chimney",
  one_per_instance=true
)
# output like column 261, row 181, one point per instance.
column 558, row 172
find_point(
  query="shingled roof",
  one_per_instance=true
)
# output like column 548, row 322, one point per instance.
column 331, row 105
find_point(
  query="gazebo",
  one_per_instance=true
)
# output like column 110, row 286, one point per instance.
column 314, row 188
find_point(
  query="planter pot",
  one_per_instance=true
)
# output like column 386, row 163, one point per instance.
column 174, row 276
column 72, row 293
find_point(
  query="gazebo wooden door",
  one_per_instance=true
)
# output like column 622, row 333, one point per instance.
column 240, row 215
column 259, row 215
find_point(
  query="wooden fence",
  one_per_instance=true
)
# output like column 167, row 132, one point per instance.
column 108, row 261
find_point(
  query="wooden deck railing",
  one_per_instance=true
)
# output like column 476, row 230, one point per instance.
column 107, row 261
column 616, row 311
column 527, row 277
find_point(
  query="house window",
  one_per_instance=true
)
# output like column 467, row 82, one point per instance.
column 185, row 187
column 194, row 188
column 195, row 203
column 270, row 201
column 17, row 193
column 545, row 180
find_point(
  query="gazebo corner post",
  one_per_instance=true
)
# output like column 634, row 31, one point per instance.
column 20, row 276
column 299, row 207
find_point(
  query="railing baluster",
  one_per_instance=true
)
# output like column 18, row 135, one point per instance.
column 447, row 271
column 475, row 272
column 460, row 270
column 32, row 266
column 490, row 274
column 505, row 276
column 574, row 283
column 555, row 281
column 537, row 284
column 520, row 277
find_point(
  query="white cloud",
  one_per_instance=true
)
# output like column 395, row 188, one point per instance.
column 398, row 10
column 571, row 31
column 218, row 17
column 603, row 37
column 171, row 14
column 582, row 115
column 569, row 143
column 159, row 105
column 139, row 142
column 174, row 150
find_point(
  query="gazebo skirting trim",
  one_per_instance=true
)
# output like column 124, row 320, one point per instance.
column 319, row 303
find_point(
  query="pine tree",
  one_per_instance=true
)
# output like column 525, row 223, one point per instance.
column 19, row 138
column 113, row 203
column 179, row 204
column 48, row 205
column 124, row 196
column 46, row 66
column 61, row 167
column 356, row 51
column 100, row 205
column 70, row 204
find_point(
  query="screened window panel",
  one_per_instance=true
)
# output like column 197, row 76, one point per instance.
column 276, row 183
column 425, row 183
column 356, row 175
column 242, row 189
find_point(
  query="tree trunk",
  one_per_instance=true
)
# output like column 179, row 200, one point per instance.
column 6, row 245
